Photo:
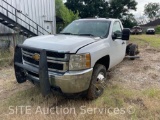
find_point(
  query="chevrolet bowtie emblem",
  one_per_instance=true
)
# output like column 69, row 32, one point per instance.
column 36, row 57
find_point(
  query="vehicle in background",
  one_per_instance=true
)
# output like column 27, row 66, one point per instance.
column 150, row 31
column 136, row 30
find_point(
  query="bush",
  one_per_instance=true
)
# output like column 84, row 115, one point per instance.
column 157, row 29
column 63, row 12
column 4, row 44
column 6, row 58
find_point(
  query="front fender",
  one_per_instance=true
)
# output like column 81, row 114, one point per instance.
column 97, row 50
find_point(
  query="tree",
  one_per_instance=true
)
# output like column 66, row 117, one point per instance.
column 89, row 8
column 121, row 8
column 142, row 20
column 152, row 10
column 102, row 8
column 63, row 12
column 157, row 29
column 129, row 21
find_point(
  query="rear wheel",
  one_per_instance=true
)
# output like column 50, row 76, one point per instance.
column 133, row 50
column 98, row 82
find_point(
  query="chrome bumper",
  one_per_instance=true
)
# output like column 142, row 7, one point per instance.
column 72, row 82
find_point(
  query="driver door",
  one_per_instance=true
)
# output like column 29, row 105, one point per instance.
column 118, row 48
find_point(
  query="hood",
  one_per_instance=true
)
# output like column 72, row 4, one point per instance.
column 60, row 43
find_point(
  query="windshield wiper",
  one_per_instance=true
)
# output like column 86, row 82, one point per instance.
column 66, row 33
column 87, row 35
column 91, row 35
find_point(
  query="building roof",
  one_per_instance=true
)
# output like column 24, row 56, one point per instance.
column 152, row 23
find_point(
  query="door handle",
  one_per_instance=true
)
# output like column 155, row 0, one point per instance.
column 123, row 43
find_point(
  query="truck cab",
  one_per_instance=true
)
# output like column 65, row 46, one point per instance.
column 74, row 61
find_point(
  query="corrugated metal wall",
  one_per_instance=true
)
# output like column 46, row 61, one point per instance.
column 40, row 11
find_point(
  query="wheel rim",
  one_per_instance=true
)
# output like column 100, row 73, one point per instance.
column 99, row 84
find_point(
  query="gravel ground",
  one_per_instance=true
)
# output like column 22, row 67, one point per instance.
column 139, row 74
column 8, row 84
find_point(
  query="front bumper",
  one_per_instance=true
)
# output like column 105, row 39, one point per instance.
column 70, row 82
column 150, row 32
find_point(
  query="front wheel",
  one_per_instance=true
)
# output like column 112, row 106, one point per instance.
column 98, row 82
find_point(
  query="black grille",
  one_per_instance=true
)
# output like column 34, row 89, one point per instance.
column 55, row 66
column 49, row 53
column 33, row 74
column 51, row 65
column 30, row 51
column 55, row 54
column 30, row 60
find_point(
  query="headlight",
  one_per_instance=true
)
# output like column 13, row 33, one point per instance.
column 80, row 62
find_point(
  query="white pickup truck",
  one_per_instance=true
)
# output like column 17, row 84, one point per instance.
column 74, row 61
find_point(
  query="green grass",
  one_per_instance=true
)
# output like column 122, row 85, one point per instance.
column 115, row 96
column 5, row 58
column 152, row 93
column 5, row 53
column 146, row 103
column 151, row 40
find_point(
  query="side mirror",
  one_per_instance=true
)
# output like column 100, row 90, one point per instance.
column 126, row 34
column 114, row 36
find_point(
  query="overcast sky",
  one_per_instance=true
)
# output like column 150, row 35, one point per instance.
column 140, row 6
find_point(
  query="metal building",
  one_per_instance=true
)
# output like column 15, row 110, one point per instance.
column 27, row 17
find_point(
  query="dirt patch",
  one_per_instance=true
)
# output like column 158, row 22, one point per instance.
column 8, row 84
column 151, row 50
column 137, row 101
column 140, row 73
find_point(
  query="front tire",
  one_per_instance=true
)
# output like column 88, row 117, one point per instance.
column 98, row 82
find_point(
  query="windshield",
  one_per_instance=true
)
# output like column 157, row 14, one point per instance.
column 88, row 28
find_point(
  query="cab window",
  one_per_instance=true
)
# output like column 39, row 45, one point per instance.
column 117, row 30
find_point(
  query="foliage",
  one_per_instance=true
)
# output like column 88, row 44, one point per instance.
column 102, row 8
column 152, row 11
column 158, row 29
column 129, row 21
column 89, row 8
column 5, row 58
column 151, row 40
column 63, row 12
column 121, row 8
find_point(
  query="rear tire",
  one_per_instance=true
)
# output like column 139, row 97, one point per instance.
column 133, row 50
column 98, row 82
